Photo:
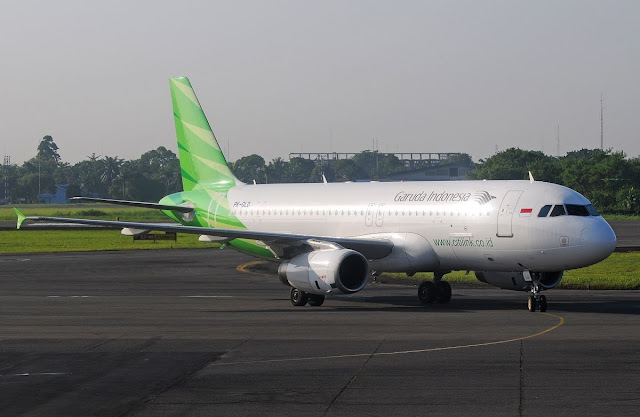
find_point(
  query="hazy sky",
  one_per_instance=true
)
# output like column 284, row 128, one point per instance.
column 279, row 76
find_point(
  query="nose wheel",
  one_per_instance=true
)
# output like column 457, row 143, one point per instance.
column 536, row 300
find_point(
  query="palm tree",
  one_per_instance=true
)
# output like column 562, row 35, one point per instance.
column 110, row 170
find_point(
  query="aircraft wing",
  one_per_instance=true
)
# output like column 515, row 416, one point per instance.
column 370, row 248
column 180, row 209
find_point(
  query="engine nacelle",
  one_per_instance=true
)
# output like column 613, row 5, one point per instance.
column 516, row 281
column 325, row 271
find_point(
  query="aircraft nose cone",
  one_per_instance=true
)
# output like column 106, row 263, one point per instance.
column 598, row 241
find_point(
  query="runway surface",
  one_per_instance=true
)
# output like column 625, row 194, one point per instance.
column 184, row 333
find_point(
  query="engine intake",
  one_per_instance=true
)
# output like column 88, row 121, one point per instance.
column 324, row 271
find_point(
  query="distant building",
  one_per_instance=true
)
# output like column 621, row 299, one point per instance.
column 410, row 160
column 59, row 197
column 443, row 172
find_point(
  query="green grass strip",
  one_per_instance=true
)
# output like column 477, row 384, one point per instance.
column 38, row 241
column 620, row 271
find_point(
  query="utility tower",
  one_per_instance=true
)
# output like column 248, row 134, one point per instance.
column 7, row 162
column 601, row 123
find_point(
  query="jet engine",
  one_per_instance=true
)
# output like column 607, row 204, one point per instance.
column 516, row 280
column 325, row 271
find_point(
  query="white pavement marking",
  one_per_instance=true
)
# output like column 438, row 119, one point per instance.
column 205, row 296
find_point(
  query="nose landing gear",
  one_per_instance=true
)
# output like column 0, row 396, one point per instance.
column 536, row 300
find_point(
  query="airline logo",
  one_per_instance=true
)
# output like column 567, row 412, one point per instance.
column 482, row 197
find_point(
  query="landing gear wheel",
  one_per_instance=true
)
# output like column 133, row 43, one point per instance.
column 298, row 297
column 316, row 300
column 444, row 292
column 542, row 303
column 531, row 303
column 427, row 292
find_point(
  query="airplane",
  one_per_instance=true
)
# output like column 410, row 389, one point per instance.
column 330, row 238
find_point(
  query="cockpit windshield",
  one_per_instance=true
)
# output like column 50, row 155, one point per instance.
column 558, row 210
column 567, row 209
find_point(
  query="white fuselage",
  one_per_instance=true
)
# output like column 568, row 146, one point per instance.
column 469, row 225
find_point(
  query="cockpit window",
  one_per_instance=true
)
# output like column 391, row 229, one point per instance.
column 592, row 210
column 544, row 211
column 576, row 210
column 558, row 210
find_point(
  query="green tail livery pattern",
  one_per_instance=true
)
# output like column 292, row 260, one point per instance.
column 206, row 176
column 201, row 160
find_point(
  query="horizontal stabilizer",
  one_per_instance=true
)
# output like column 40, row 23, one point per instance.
column 179, row 209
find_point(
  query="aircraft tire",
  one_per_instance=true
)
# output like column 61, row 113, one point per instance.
column 427, row 292
column 531, row 303
column 444, row 292
column 316, row 300
column 298, row 297
column 542, row 303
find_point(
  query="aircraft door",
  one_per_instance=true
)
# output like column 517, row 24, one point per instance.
column 368, row 221
column 505, row 213
column 380, row 215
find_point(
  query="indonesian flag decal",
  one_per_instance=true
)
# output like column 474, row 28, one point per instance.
column 526, row 212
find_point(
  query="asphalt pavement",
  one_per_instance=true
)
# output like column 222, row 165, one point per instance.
column 185, row 333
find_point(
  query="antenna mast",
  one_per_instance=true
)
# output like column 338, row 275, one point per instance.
column 601, row 123
column 7, row 162
column 558, row 139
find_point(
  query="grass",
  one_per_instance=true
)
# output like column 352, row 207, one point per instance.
column 621, row 271
column 36, row 241
column 87, row 211
column 621, row 217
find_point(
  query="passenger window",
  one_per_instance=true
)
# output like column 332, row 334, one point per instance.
column 544, row 211
column 558, row 210
column 577, row 210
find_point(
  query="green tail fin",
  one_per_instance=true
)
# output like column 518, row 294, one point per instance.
column 21, row 217
column 201, row 160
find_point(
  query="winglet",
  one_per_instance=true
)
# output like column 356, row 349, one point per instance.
column 531, row 177
column 21, row 217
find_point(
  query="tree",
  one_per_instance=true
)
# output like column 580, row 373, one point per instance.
column 250, row 168
column 345, row 170
column 389, row 164
column 277, row 171
column 367, row 163
column 47, row 149
column 300, row 169
column 110, row 170
column 604, row 177
column 515, row 164
column 463, row 159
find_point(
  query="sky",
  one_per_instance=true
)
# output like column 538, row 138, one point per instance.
column 276, row 77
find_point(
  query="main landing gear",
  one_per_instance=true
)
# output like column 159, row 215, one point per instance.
column 536, row 300
column 300, row 298
column 436, row 291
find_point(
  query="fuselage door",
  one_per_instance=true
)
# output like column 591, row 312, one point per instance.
column 505, row 213
column 380, row 215
column 369, row 219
